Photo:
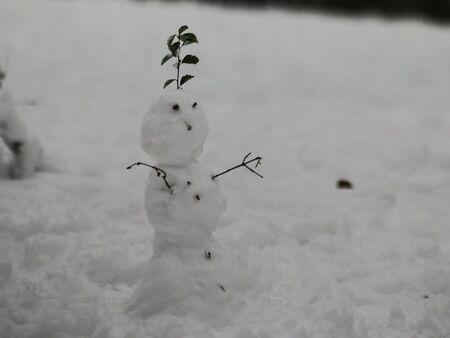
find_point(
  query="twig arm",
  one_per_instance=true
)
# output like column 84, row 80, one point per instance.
column 245, row 164
column 159, row 172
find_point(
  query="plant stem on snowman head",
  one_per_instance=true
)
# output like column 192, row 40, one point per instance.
column 174, row 43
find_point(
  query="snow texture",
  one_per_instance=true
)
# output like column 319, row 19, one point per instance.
column 204, row 281
column 319, row 98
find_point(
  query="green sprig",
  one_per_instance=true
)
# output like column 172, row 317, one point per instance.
column 175, row 43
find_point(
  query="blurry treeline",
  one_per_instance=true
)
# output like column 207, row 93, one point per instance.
column 437, row 10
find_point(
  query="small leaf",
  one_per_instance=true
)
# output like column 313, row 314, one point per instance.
column 188, row 37
column 192, row 59
column 166, row 58
column 170, row 40
column 174, row 48
column 188, row 42
column 185, row 79
column 182, row 29
column 168, row 82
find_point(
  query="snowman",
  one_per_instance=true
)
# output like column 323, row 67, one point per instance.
column 26, row 152
column 183, row 201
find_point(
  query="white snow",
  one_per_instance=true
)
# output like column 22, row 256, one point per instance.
column 319, row 98
column 175, row 128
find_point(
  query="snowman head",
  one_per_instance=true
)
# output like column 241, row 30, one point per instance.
column 174, row 129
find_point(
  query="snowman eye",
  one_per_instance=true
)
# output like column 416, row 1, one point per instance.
column 197, row 197
column 194, row 105
column 15, row 147
column 175, row 107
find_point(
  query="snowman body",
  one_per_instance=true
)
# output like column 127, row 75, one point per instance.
column 186, row 216
column 187, row 270
column 26, row 151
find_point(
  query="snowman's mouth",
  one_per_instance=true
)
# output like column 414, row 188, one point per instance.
column 188, row 126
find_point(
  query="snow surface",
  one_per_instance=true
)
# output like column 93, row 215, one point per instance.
column 319, row 98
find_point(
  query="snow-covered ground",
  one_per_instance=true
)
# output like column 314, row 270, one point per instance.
column 319, row 98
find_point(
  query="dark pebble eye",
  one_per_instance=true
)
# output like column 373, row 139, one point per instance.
column 176, row 107
column 15, row 147
column 344, row 184
column 197, row 197
column 194, row 105
column 188, row 182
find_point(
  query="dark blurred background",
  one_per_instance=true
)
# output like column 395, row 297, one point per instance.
column 435, row 10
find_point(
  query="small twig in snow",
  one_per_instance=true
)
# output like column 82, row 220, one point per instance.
column 159, row 172
column 243, row 164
